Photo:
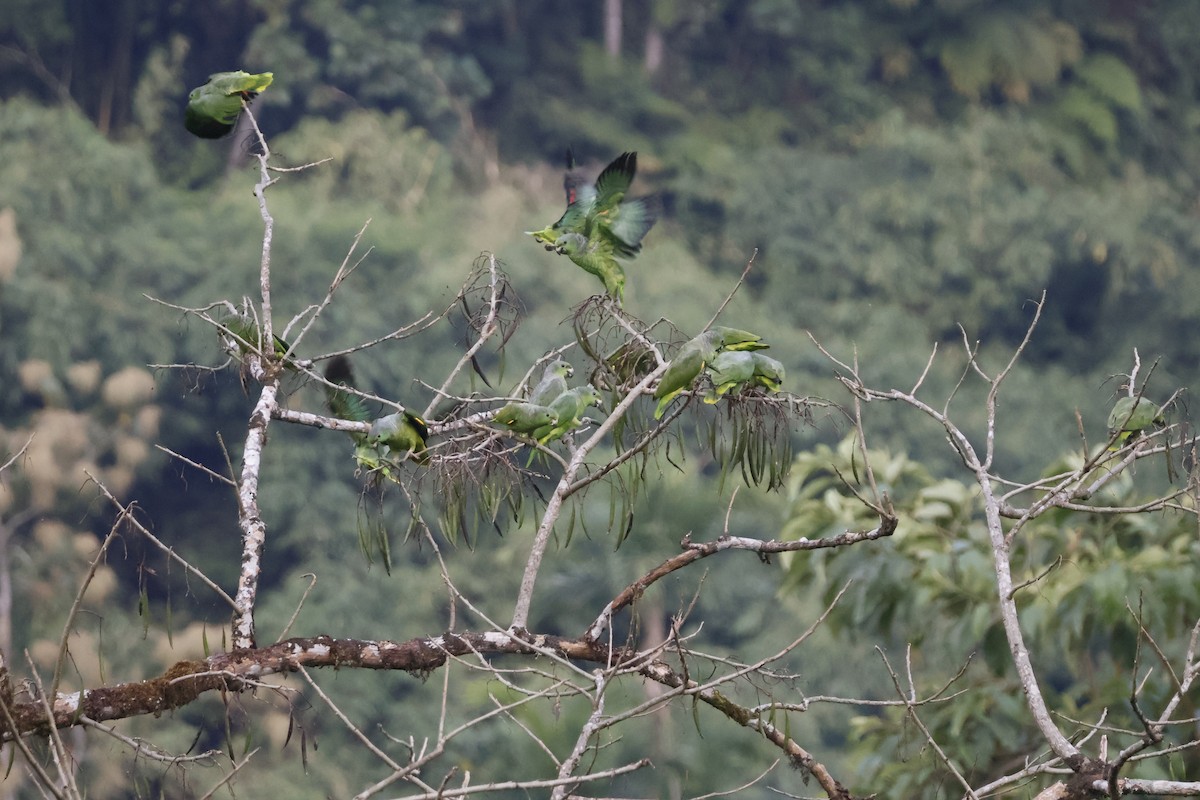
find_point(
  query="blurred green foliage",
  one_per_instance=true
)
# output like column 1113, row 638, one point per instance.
column 1095, row 581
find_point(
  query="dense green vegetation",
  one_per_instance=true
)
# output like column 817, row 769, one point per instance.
column 900, row 168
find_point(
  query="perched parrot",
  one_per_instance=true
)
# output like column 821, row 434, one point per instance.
column 768, row 372
column 633, row 359
column 736, row 339
column 402, row 432
column 1130, row 416
column 599, row 225
column 687, row 365
column 392, row 435
column 342, row 404
column 728, row 371
column 734, row 368
column 212, row 109
column 568, row 407
column 247, row 333
column 525, row 418
column 552, row 384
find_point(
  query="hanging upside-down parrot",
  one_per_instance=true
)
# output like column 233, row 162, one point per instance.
column 1130, row 416
column 599, row 225
column 392, row 435
column 568, row 407
column 213, row 108
column 522, row 417
column 552, row 384
column 401, row 433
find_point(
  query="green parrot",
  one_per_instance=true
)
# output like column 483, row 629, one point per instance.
column 521, row 417
column 344, row 405
column 552, row 384
column 599, row 225
column 595, row 255
column 736, row 339
column 729, row 370
column 600, row 206
column 768, row 372
column 568, row 407
column 734, row 368
column 1130, row 416
column 687, row 365
column 247, row 333
column 213, row 108
column 402, row 432
column 393, row 434
column 631, row 360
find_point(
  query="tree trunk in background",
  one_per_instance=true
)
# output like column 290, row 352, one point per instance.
column 612, row 27
column 653, row 618
column 654, row 49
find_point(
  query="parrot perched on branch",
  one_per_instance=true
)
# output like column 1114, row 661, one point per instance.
column 552, row 384
column 568, row 407
column 394, row 434
column 600, row 225
column 1130, row 416
column 768, row 372
column 213, row 108
column 734, row 368
column 402, row 432
column 718, row 342
column 248, row 337
column 520, row 417
column 728, row 371
column 737, row 339
column 685, row 368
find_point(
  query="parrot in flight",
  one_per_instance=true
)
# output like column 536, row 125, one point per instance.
column 595, row 256
column 600, row 225
column 1130, row 416
column 213, row 108
column 568, row 407
column 521, row 417
column 552, row 384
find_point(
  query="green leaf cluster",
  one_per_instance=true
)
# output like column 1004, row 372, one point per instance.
column 1091, row 580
